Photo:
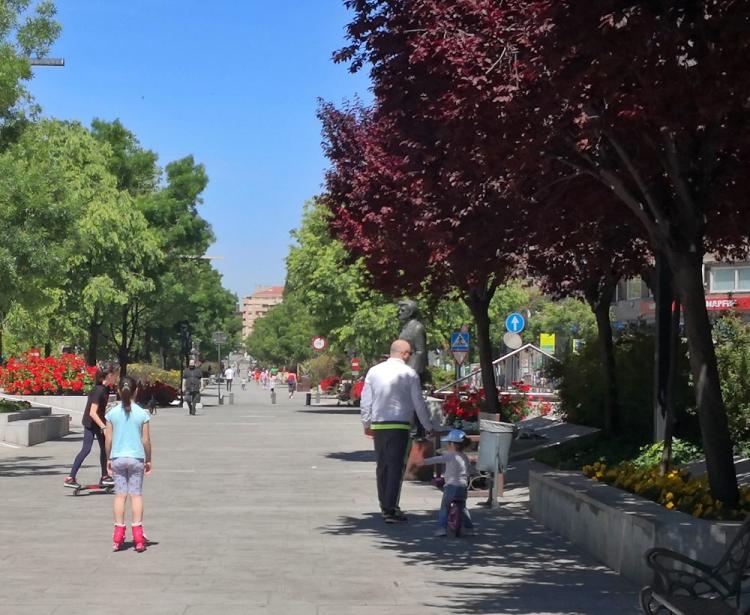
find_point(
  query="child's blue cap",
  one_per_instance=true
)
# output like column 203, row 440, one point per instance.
column 454, row 435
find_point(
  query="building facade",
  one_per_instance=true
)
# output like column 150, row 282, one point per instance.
column 257, row 305
column 727, row 287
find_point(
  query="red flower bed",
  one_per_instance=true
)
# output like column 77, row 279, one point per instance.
column 357, row 390
column 463, row 408
column 31, row 374
column 330, row 384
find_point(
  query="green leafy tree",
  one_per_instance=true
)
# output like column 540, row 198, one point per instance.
column 27, row 30
column 183, row 290
column 732, row 338
column 333, row 288
column 282, row 337
column 50, row 178
column 568, row 318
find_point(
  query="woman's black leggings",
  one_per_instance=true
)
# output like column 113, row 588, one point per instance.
column 88, row 440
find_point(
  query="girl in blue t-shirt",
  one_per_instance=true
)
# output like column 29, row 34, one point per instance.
column 128, row 443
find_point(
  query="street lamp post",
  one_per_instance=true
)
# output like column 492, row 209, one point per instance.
column 219, row 337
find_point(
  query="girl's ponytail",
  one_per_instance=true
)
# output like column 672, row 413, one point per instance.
column 127, row 389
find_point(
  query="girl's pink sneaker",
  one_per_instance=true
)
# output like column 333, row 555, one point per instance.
column 139, row 539
column 118, row 537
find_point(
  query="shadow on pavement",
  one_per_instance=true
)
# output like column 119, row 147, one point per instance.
column 332, row 410
column 513, row 565
column 28, row 466
column 368, row 455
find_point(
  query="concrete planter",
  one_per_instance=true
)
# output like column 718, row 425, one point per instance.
column 617, row 527
column 74, row 405
column 32, row 426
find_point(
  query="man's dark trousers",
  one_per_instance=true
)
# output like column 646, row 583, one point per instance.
column 192, row 398
column 391, row 446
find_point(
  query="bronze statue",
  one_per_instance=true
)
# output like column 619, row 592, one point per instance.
column 414, row 332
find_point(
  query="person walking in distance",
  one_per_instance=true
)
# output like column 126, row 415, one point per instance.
column 390, row 398
column 291, row 382
column 93, row 425
column 128, row 442
column 229, row 376
column 191, row 385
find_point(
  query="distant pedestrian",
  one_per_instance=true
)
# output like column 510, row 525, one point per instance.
column 191, row 386
column 390, row 398
column 128, row 442
column 93, row 425
column 229, row 376
column 456, row 476
column 291, row 382
column 272, row 387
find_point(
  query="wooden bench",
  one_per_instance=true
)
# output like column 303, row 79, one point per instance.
column 696, row 588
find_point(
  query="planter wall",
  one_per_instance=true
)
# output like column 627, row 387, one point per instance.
column 32, row 426
column 70, row 404
column 617, row 527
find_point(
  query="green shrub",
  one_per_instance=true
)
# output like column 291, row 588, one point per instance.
column 732, row 338
column 682, row 453
column 439, row 377
column 150, row 373
column 321, row 367
column 7, row 405
column 574, row 454
column 582, row 388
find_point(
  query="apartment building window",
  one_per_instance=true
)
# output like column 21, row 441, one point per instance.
column 629, row 290
column 730, row 279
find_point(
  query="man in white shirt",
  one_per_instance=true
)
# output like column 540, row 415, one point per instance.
column 229, row 376
column 391, row 396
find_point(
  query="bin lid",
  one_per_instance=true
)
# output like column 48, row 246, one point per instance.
column 495, row 426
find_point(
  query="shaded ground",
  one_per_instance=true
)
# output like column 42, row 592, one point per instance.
column 261, row 508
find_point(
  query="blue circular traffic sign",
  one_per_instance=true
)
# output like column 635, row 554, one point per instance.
column 515, row 322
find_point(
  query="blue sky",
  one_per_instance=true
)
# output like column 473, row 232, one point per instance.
column 234, row 83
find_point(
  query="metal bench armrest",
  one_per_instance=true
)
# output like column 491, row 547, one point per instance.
column 700, row 581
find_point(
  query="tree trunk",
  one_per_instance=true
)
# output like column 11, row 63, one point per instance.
column 600, row 307
column 664, row 297
column 47, row 349
column 479, row 304
column 717, row 445
column 122, row 352
column 93, row 347
column 669, row 417
column 147, row 343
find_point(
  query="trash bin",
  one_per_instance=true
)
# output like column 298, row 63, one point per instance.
column 495, row 439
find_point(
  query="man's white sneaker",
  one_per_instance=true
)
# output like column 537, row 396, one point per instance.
column 441, row 532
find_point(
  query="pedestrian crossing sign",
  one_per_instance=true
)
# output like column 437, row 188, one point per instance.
column 460, row 341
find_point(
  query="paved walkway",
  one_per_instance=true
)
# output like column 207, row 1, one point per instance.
column 269, row 509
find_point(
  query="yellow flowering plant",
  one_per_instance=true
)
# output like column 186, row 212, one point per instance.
column 675, row 490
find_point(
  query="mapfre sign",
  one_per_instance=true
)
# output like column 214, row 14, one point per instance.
column 714, row 303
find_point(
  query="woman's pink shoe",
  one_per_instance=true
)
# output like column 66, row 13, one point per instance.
column 139, row 539
column 118, row 537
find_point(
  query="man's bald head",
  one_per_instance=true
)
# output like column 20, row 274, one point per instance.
column 401, row 349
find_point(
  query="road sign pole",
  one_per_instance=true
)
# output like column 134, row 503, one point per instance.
column 218, row 376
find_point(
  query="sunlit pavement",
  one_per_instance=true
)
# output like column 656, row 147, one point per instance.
column 260, row 508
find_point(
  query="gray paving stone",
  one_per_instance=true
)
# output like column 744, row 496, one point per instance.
column 271, row 510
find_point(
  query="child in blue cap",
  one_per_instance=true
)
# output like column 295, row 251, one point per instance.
column 456, row 477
